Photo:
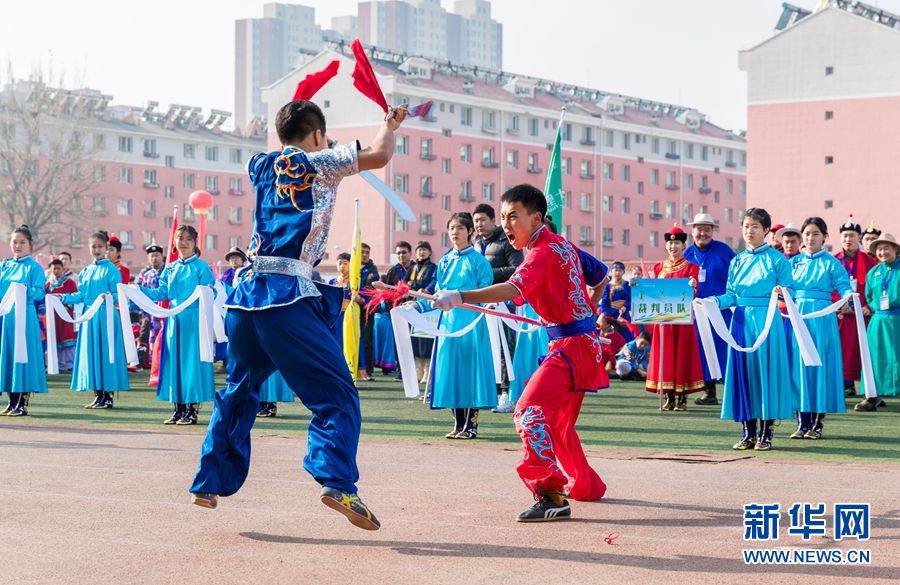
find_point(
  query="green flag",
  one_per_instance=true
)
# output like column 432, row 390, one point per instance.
column 553, row 188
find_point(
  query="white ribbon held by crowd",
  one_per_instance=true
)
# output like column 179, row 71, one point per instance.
column 55, row 308
column 15, row 301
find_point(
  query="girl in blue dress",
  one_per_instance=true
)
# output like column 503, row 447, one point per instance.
column 755, row 387
column 92, row 370
column 462, row 370
column 184, row 380
column 820, row 389
column 20, row 380
column 616, row 299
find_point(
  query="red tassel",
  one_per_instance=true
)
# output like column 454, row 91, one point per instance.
column 377, row 296
column 364, row 77
column 313, row 82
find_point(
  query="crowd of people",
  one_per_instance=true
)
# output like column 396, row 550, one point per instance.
column 520, row 263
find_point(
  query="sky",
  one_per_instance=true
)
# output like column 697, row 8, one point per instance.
column 176, row 51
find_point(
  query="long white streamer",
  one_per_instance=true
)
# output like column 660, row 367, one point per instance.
column 405, row 358
column 56, row 309
column 514, row 325
column 15, row 300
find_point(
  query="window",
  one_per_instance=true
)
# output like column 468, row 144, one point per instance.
column 670, row 179
column 212, row 184
column 626, row 172
column 587, row 171
column 829, row 70
column 608, row 171
column 743, row 159
column 513, row 124
column 704, row 153
column 688, row 212
column 626, row 141
column 445, row 166
column 607, row 204
column 626, row 237
column 150, row 147
column 487, row 191
column 425, row 225
column 584, row 235
column 654, row 239
column 445, row 203
column 170, row 161
column 149, row 208
column 567, row 232
column 150, row 178
column 609, row 138
column 489, row 120
column 704, row 182
column 188, row 151
column 213, row 213
column 98, row 205
column 234, row 215
column 401, row 183
column 425, row 186
column 125, row 144
column 829, row 160
column 533, row 127
column 169, row 192
column 512, row 159
column 829, row 203
column 425, row 149
column 125, row 238
column 607, row 236
column 125, row 175
column 654, row 176
column 465, row 116
column 465, row 190
column 402, row 146
column 212, row 153
column 212, row 241
column 234, row 242
column 99, row 141
column 689, row 150
column 729, row 218
column 640, row 219
column 670, row 210
column 445, row 240
column 236, row 186
column 400, row 224
column 654, row 207
column 99, row 173
column 148, row 238
column 487, row 157
column 188, row 181
column 654, row 146
column 123, row 207
column 729, row 186
column 236, row 156
column 829, row 115
column 567, row 199
column 716, row 196
column 585, row 202
column 587, row 135
column 465, row 153
column 626, row 205
column 533, row 162
column 640, row 188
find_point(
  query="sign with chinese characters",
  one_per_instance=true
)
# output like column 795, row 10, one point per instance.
column 661, row 301
column 850, row 520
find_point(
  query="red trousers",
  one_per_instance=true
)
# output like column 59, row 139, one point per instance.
column 545, row 418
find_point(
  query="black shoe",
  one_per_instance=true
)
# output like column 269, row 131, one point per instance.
column 881, row 403
column 263, row 410
column 205, row 500
column 106, row 401
column 707, row 400
column 811, row 434
column 176, row 416
column 273, row 410
column 467, row 434
column 350, row 506
column 681, row 403
column 866, row 405
column 546, row 510
column 189, row 417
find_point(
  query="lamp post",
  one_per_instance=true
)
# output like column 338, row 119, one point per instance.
column 201, row 202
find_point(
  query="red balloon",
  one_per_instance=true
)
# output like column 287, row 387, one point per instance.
column 201, row 201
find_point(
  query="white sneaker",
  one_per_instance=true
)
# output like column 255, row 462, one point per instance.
column 504, row 405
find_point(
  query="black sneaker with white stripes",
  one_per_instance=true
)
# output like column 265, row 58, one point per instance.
column 546, row 510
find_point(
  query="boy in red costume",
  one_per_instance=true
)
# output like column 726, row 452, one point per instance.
column 562, row 284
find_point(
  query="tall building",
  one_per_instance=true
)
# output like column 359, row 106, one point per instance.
column 631, row 167
column 266, row 48
column 823, row 99
column 137, row 164
column 423, row 28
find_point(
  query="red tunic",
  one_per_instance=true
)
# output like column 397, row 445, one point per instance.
column 65, row 331
column 682, row 369
column 857, row 268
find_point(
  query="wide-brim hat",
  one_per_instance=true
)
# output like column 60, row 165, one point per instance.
column 236, row 252
column 703, row 219
column 884, row 239
column 788, row 229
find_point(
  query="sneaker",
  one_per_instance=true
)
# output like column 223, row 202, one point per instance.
column 205, row 500
column 546, row 510
column 452, row 434
column 273, row 411
column 811, row 434
column 469, row 434
column 800, row 433
column 350, row 506
column 188, row 418
column 7, row 410
column 763, row 444
column 263, row 410
column 105, row 402
column 881, row 403
column 504, row 406
column 18, row 411
column 97, row 400
column 369, row 378
column 744, row 444
column 176, row 416
column 681, row 403
column 866, row 405
column 707, row 400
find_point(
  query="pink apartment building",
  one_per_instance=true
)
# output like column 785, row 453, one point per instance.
column 823, row 112
column 145, row 162
column 632, row 167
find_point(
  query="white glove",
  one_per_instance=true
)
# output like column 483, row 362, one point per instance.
column 446, row 299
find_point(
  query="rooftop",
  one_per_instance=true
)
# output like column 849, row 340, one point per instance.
column 791, row 14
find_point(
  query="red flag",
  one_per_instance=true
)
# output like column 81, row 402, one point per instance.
column 313, row 82
column 364, row 78
column 156, row 348
column 173, row 251
column 422, row 110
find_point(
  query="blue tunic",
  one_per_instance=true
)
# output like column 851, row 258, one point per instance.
column 818, row 388
column 755, row 382
column 531, row 347
column 463, row 366
column 31, row 376
column 183, row 378
column 275, row 389
column 713, row 261
column 92, row 370
column 613, row 295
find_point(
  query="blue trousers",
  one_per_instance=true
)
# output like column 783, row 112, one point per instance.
column 297, row 341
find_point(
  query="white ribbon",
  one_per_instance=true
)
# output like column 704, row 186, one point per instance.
column 405, row 358
column 514, row 325
column 707, row 313
column 15, row 300
column 201, row 294
column 219, row 312
column 55, row 308
column 498, row 344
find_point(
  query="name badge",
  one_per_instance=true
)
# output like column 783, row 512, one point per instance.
column 702, row 276
column 885, row 303
column 853, row 284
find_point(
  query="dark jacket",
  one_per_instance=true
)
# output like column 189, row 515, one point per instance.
column 369, row 275
column 423, row 276
column 500, row 253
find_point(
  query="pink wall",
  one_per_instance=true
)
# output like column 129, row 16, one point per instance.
column 786, row 166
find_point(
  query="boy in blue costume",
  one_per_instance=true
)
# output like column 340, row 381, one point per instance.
column 280, row 320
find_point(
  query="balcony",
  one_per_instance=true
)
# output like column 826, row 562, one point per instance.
column 429, row 118
column 213, row 191
column 672, row 156
column 640, row 160
column 149, row 213
column 100, row 212
column 425, row 231
column 587, row 208
column 488, row 129
column 586, row 175
column 233, row 191
column 466, row 197
column 716, row 170
column 232, row 221
column 427, row 156
column 535, row 170
column 151, row 185
column 608, row 244
column 586, row 242
column 655, row 215
column 672, row 187
column 490, row 164
column 705, row 190
column 149, row 154
column 587, row 142
column 731, row 164
column 427, row 193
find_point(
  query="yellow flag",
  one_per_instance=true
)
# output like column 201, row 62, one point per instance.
column 352, row 315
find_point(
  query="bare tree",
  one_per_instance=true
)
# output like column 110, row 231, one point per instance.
column 46, row 158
